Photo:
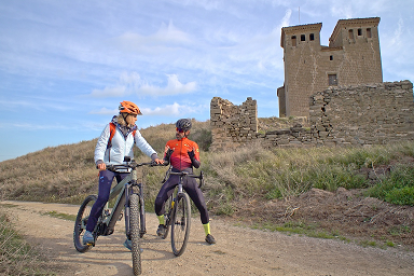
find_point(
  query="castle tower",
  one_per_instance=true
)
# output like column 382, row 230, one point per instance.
column 353, row 57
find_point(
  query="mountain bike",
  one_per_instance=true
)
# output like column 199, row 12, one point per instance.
column 177, row 214
column 129, row 194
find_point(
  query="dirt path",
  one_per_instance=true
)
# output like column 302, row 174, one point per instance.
column 239, row 251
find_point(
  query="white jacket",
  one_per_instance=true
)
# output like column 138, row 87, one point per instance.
column 121, row 146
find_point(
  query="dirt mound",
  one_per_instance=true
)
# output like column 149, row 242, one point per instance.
column 346, row 212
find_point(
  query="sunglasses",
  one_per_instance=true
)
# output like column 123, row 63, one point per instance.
column 179, row 130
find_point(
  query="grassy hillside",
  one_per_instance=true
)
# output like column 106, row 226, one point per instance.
column 247, row 184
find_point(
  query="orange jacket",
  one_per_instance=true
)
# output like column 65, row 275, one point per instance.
column 179, row 158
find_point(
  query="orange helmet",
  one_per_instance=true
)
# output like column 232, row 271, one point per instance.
column 129, row 107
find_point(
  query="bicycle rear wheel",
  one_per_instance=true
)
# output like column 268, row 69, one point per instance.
column 135, row 236
column 181, row 223
column 81, row 221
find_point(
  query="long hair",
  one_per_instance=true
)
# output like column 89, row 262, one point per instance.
column 121, row 120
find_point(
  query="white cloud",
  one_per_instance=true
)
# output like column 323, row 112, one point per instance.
column 35, row 103
column 286, row 19
column 169, row 110
column 28, row 126
column 174, row 109
column 105, row 111
column 394, row 42
column 166, row 38
column 345, row 9
column 130, row 78
column 116, row 91
column 131, row 83
column 174, row 87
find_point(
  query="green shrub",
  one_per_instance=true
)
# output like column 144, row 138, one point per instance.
column 330, row 178
column 398, row 188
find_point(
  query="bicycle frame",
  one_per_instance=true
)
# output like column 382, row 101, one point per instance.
column 181, row 175
column 121, row 191
column 127, row 193
column 177, row 191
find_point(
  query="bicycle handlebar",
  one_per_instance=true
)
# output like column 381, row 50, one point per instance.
column 133, row 165
column 184, row 173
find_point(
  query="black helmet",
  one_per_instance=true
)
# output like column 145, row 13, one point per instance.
column 183, row 124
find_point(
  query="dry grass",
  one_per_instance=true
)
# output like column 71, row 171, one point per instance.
column 51, row 174
column 16, row 256
column 67, row 173
column 236, row 182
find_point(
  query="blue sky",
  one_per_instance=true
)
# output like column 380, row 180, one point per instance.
column 66, row 65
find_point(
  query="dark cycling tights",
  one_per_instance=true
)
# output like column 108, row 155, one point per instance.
column 105, row 181
column 190, row 185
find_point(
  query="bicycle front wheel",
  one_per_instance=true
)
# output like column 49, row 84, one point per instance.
column 81, row 221
column 180, row 225
column 135, row 236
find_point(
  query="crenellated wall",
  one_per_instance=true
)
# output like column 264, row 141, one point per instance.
column 339, row 116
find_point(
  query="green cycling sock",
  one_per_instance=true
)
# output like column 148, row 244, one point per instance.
column 207, row 228
column 161, row 219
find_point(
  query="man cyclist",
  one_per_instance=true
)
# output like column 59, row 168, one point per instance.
column 183, row 154
column 114, row 146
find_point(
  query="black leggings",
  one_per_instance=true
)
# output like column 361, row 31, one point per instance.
column 190, row 186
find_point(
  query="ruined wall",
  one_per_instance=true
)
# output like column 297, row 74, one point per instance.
column 363, row 115
column 232, row 125
column 235, row 126
column 339, row 116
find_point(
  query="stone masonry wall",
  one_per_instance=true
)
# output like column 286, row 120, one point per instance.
column 232, row 125
column 364, row 115
column 340, row 116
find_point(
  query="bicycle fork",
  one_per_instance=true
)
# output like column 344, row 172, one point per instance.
column 129, row 191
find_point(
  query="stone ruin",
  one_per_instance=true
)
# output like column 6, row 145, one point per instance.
column 363, row 115
column 231, row 125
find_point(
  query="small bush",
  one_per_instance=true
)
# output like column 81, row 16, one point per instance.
column 398, row 188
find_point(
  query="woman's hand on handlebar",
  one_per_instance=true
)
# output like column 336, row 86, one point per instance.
column 102, row 167
column 159, row 161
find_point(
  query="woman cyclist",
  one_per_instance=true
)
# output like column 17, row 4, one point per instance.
column 183, row 154
column 115, row 145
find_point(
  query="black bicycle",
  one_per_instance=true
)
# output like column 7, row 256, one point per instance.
column 129, row 194
column 178, row 214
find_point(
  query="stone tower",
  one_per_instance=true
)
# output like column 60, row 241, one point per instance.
column 352, row 57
